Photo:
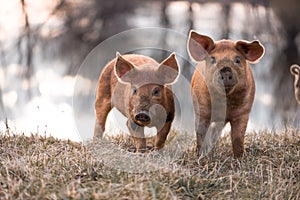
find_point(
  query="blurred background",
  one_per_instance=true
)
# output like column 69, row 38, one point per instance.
column 44, row 43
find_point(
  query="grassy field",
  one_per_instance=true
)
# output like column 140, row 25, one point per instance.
column 46, row 168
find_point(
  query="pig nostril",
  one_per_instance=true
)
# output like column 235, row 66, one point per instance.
column 230, row 77
column 142, row 117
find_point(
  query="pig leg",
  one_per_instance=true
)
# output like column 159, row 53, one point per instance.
column 161, row 136
column 103, row 106
column 138, row 135
column 201, row 131
column 211, row 137
column 202, row 120
column 238, row 128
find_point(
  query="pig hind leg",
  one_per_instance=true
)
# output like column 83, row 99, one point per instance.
column 101, row 119
column 101, row 115
column 102, row 108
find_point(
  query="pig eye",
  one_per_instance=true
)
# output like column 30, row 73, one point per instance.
column 134, row 90
column 156, row 91
column 237, row 60
column 212, row 60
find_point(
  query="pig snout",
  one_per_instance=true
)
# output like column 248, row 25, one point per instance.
column 142, row 117
column 140, row 112
column 227, row 77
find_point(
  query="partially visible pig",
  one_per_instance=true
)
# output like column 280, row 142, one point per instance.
column 295, row 70
column 223, row 80
column 140, row 88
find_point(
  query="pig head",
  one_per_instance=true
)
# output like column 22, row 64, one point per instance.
column 295, row 69
column 222, row 85
column 140, row 88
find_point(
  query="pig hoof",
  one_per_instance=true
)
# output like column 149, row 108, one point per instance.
column 238, row 156
column 141, row 150
column 132, row 149
column 138, row 150
column 150, row 148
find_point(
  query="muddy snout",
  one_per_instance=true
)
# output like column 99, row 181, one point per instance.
column 227, row 77
column 142, row 117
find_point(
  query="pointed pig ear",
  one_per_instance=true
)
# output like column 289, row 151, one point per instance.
column 199, row 46
column 295, row 69
column 169, row 69
column 252, row 51
column 122, row 69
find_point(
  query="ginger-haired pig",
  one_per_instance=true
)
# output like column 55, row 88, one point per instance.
column 140, row 88
column 222, row 85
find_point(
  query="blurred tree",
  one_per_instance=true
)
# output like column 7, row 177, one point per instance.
column 287, row 12
column 81, row 25
column 85, row 25
column 26, row 41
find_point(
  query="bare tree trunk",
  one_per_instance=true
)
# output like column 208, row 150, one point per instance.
column 165, row 22
column 3, row 114
column 226, row 26
column 2, row 108
column 28, row 48
column 186, row 69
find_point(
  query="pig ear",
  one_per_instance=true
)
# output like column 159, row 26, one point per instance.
column 295, row 69
column 169, row 69
column 122, row 68
column 252, row 51
column 199, row 46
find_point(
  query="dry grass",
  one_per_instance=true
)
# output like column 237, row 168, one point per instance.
column 46, row 168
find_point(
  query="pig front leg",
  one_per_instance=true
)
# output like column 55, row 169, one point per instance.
column 238, row 129
column 137, row 132
column 201, row 130
column 161, row 136
column 202, row 119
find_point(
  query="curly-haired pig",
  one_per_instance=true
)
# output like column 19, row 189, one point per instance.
column 222, row 85
column 140, row 88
